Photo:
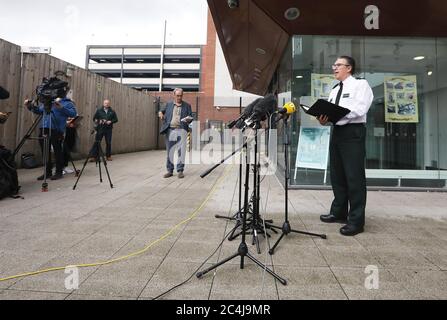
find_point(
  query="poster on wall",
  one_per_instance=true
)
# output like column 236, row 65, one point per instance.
column 321, row 86
column 401, row 99
column 313, row 148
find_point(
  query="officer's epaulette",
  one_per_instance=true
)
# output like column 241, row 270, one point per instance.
column 336, row 85
column 360, row 78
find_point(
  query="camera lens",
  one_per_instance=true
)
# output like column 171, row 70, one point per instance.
column 233, row 4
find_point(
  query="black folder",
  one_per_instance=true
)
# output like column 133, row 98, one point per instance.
column 75, row 122
column 323, row 107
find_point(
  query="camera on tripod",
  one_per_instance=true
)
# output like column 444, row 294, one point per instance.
column 99, row 125
column 51, row 89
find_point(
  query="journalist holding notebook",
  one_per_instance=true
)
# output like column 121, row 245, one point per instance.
column 348, row 149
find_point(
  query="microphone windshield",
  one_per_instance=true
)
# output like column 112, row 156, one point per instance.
column 249, row 109
column 265, row 107
column 288, row 108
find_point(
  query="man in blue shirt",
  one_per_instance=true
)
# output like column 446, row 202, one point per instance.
column 53, row 124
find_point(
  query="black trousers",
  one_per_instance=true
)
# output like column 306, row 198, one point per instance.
column 69, row 142
column 347, row 164
column 103, row 133
column 56, row 140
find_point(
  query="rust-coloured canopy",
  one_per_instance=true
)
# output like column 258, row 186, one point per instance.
column 254, row 34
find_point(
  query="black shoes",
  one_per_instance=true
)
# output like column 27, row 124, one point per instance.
column 40, row 178
column 350, row 230
column 57, row 176
column 347, row 230
column 330, row 218
column 181, row 175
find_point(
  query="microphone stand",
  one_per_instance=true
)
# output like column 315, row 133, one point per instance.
column 286, row 228
column 243, row 249
column 238, row 215
column 256, row 224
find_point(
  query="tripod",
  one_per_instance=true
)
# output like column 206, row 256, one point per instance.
column 46, row 137
column 238, row 215
column 256, row 224
column 243, row 249
column 100, row 158
column 286, row 229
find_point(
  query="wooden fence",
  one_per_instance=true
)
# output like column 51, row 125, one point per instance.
column 136, row 129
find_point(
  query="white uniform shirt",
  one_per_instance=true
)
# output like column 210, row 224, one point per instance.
column 357, row 96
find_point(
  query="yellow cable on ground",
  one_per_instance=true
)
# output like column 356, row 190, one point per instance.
column 137, row 253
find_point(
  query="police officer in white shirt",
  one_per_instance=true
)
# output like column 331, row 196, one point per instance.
column 348, row 149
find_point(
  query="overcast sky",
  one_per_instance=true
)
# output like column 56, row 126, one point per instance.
column 68, row 26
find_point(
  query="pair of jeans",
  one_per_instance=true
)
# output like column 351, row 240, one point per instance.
column 175, row 139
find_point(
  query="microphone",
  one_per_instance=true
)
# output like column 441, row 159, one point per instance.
column 264, row 108
column 245, row 114
column 288, row 108
column 231, row 124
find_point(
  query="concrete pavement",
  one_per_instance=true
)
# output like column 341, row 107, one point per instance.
column 404, row 243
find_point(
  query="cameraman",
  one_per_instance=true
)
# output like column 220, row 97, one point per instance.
column 104, row 119
column 53, row 123
column 9, row 182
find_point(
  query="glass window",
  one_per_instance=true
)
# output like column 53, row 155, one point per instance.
column 402, row 124
column 409, row 80
column 441, row 80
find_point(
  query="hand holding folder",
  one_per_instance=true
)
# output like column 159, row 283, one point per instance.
column 74, row 122
column 323, row 107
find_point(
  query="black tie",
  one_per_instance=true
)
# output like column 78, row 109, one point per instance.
column 337, row 100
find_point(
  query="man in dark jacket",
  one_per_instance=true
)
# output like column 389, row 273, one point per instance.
column 53, row 124
column 104, row 119
column 176, row 118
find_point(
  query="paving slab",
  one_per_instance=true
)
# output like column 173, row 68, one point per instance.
column 405, row 238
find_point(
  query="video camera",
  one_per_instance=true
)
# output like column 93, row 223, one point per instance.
column 99, row 126
column 50, row 89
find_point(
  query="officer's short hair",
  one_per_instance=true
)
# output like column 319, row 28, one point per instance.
column 350, row 61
